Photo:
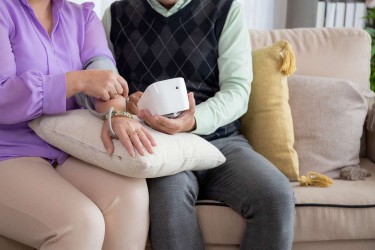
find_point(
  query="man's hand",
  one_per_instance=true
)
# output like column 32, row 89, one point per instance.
column 183, row 123
column 131, row 105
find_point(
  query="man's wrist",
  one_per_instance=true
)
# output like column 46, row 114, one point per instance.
column 192, row 126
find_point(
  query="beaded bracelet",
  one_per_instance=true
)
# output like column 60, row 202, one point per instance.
column 117, row 113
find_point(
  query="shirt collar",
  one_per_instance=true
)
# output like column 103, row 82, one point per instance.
column 160, row 8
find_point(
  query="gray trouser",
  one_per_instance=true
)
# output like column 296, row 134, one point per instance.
column 246, row 182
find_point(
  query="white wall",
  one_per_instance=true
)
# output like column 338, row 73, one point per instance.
column 280, row 14
column 260, row 14
column 100, row 5
column 265, row 14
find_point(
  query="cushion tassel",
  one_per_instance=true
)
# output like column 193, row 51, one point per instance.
column 315, row 179
column 370, row 126
column 288, row 66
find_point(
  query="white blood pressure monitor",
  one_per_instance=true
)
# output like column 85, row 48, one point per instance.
column 168, row 98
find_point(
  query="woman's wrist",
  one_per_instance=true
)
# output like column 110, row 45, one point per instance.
column 74, row 83
column 118, row 104
column 115, row 113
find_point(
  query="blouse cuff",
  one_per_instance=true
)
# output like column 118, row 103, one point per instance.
column 54, row 94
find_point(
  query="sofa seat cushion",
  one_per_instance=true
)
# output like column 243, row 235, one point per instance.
column 343, row 211
column 346, row 210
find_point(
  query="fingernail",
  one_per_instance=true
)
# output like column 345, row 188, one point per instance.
column 108, row 151
column 133, row 155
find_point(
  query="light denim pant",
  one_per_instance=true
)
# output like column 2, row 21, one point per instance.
column 246, row 182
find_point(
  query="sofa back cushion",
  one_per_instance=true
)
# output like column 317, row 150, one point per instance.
column 328, row 117
column 342, row 53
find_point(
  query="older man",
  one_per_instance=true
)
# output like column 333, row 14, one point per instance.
column 206, row 42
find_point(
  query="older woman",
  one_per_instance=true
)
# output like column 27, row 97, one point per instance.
column 47, row 199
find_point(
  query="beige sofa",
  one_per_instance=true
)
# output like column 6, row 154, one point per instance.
column 339, row 217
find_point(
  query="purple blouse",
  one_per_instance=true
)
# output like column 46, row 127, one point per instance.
column 33, row 66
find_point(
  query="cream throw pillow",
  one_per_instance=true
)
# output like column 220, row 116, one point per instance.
column 328, row 116
column 268, row 123
column 77, row 133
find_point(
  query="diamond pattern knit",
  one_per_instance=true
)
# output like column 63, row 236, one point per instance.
column 149, row 47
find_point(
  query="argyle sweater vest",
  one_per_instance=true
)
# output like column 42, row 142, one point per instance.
column 149, row 47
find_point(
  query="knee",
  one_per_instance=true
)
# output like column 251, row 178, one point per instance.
column 281, row 197
column 86, row 224
column 277, row 202
column 134, row 193
column 179, row 188
column 274, row 201
column 139, row 193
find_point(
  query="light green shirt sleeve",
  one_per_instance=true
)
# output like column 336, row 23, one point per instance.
column 235, row 73
column 235, row 76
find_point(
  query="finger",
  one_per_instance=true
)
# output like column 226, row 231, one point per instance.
column 191, row 110
column 125, row 141
column 112, row 91
column 165, row 122
column 124, row 85
column 157, row 119
column 106, row 139
column 134, row 98
column 137, row 95
column 113, row 95
column 146, row 114
column 132, row 108
column 191, row 102
column 145, row 141
column 134, row 137
column 118, row 87
column 160, row 123
column 149, row 136
column 105, row 96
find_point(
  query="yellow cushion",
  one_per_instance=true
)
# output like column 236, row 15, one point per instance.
column 268, row 123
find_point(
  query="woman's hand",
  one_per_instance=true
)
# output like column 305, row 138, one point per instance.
column 131, row 105
column 183, row 123
column 131, row 135
column 101, row 84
